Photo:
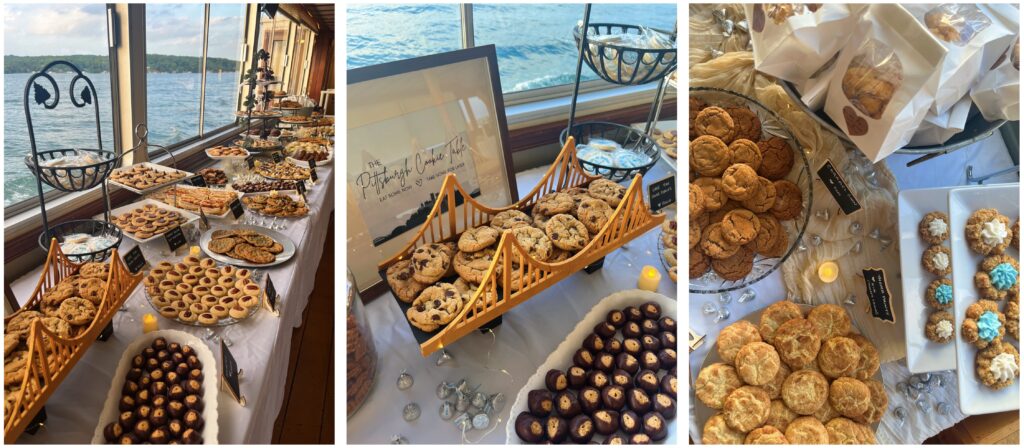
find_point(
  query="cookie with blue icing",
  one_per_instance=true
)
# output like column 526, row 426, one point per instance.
column 983, row 324
column 996, row 276
column 940, row 294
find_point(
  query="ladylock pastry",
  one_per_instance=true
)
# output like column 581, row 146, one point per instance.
column 757, row 363
column 805, row 391
column 746, row 408
column 998, row 365
column 983, row 324
column 734, row 337
column 715, row 382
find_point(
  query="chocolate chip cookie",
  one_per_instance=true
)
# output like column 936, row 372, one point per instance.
column 776, row 158
column 534, row 241
column 709, row 156
column 478, row 238
column 566, row 232
column 746, row 152
column 789, row 201
column 594, row 214
column 607, row 191
column 509, row 219
column 400, row 279
column 739, row 182
column 554, row 203
column 740, row 227
column 435, row 306
column 430, row 263
column 715, row 121
column 77, row 311
column 471, row 266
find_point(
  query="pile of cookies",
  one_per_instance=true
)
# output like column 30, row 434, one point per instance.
column 274, row 204
column 196, row 290
column 67, row 309
column 561, row 225
column 668, row 141
column 308, row 149
column 668, row 239
column 213, row 202
column 213, row 176
column 793, row 379
column 621, row 388
column 161, row 399
column 227, row 151
column 281, row 170
column 148, row 221
column 997, row 362
column 295, row 119
column 141, row 177
column 937, row 259
column 247, row 245
column 259, row 144
column 739, row 195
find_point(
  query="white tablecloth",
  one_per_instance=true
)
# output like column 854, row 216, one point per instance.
column 987, row 156
column 260, row 344
column 527, row 335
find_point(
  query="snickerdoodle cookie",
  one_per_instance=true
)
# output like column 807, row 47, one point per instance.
column 805, row 391
column 806, row 431
column 797, row 342
column 765, row 435
column 877, row 406
column 869, row 361
column 746, row 408
column 775, row 315
column 757, row 363
column 715, row 382
column 849, row 396
column 829, row 321
column 838, row 357
column 717, row 432
column 733, row 337
column 779, row 415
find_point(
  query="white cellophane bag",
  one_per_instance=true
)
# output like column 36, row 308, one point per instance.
column 935, row 129
column 791, row 41
column 884, row 81
column 814, row 89
column 997, row 95
column 966, row 30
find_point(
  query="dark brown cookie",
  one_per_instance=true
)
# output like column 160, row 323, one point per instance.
column 776, row 158
column 788, row 200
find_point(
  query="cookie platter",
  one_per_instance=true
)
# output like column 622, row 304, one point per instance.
column 64, row 353
column 702, row 413
column 256, row 276
column 210, row 389
column 170, row 194
column 975, row 397
column 800, row 175
column 188, row 216
column 496, row 293
column 286, row 254
column 562, row 356
column 923, row 355
column 165, row 169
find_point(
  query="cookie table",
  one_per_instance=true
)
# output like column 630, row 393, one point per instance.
column 260, row 345
column 987, row 156
column 501, row 362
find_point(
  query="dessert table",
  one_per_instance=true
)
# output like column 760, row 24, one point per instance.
column 987, row 156
column 260, row 344
column 498, row 362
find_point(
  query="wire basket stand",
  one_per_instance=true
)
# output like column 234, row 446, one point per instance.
column 624, row 65
column 69, row 178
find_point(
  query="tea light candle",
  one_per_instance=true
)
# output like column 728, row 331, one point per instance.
column 149, row 323
column 828, row 271
column 649, row 278
column 194, row 251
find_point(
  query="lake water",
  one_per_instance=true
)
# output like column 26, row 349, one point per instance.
column 173, row 103
column 534, row 42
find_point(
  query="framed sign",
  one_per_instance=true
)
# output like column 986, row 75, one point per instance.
column 410, row 123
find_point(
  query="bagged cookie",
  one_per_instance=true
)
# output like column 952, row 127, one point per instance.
column 937, row 128
column 966, row 31
column 791, row 41
column 997, row 94
column 884, row 81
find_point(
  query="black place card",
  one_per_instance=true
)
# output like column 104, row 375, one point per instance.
column 230, row 373
column 236, row 208
column 301, row 187
column 134, row 260
column 250, row 162
column 277, row 157
column 203, row 220
column 270, row 293
column 311, row 163
column 196, row 181
column 838, row 187
column 312, row 173
column 662, row 193
column 175, row 238
column 879, row 297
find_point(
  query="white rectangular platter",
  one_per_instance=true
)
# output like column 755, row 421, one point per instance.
column 561, row 358
column 975, row 397
column 154, row 187
column 210, row 382
column 923, row 355
column 189, row 216
column 226, row 214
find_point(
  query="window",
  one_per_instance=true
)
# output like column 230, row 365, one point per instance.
column 299, row 62
column 176, row 108
column 534, row 42
column 223, row 67
column 35, row 35
column 174, row 65
column 274, row 34
column 386, row 33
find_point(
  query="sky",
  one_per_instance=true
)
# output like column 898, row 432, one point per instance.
column 174, row 29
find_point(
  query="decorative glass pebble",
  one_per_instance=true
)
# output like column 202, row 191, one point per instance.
column 856, row 248
column 943, row 408
column 443, row 357
column 886, row 242
column 747, row 295
column 875, row 234
column 900, row 414
column 800, row 246
column 445, row 390
column 398, row 440
column 481, row 421
column 725, row 297
column 404, row 381
column 479, row 400
column 722, row 315
column 922, row 404
column 411, row 412
column 816, row 240
column 447, row 411
column 823, row 214
column 851, row 300
column 709, row 308
column 856, row 227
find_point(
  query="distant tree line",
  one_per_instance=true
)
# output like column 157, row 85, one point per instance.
column 158, row 63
